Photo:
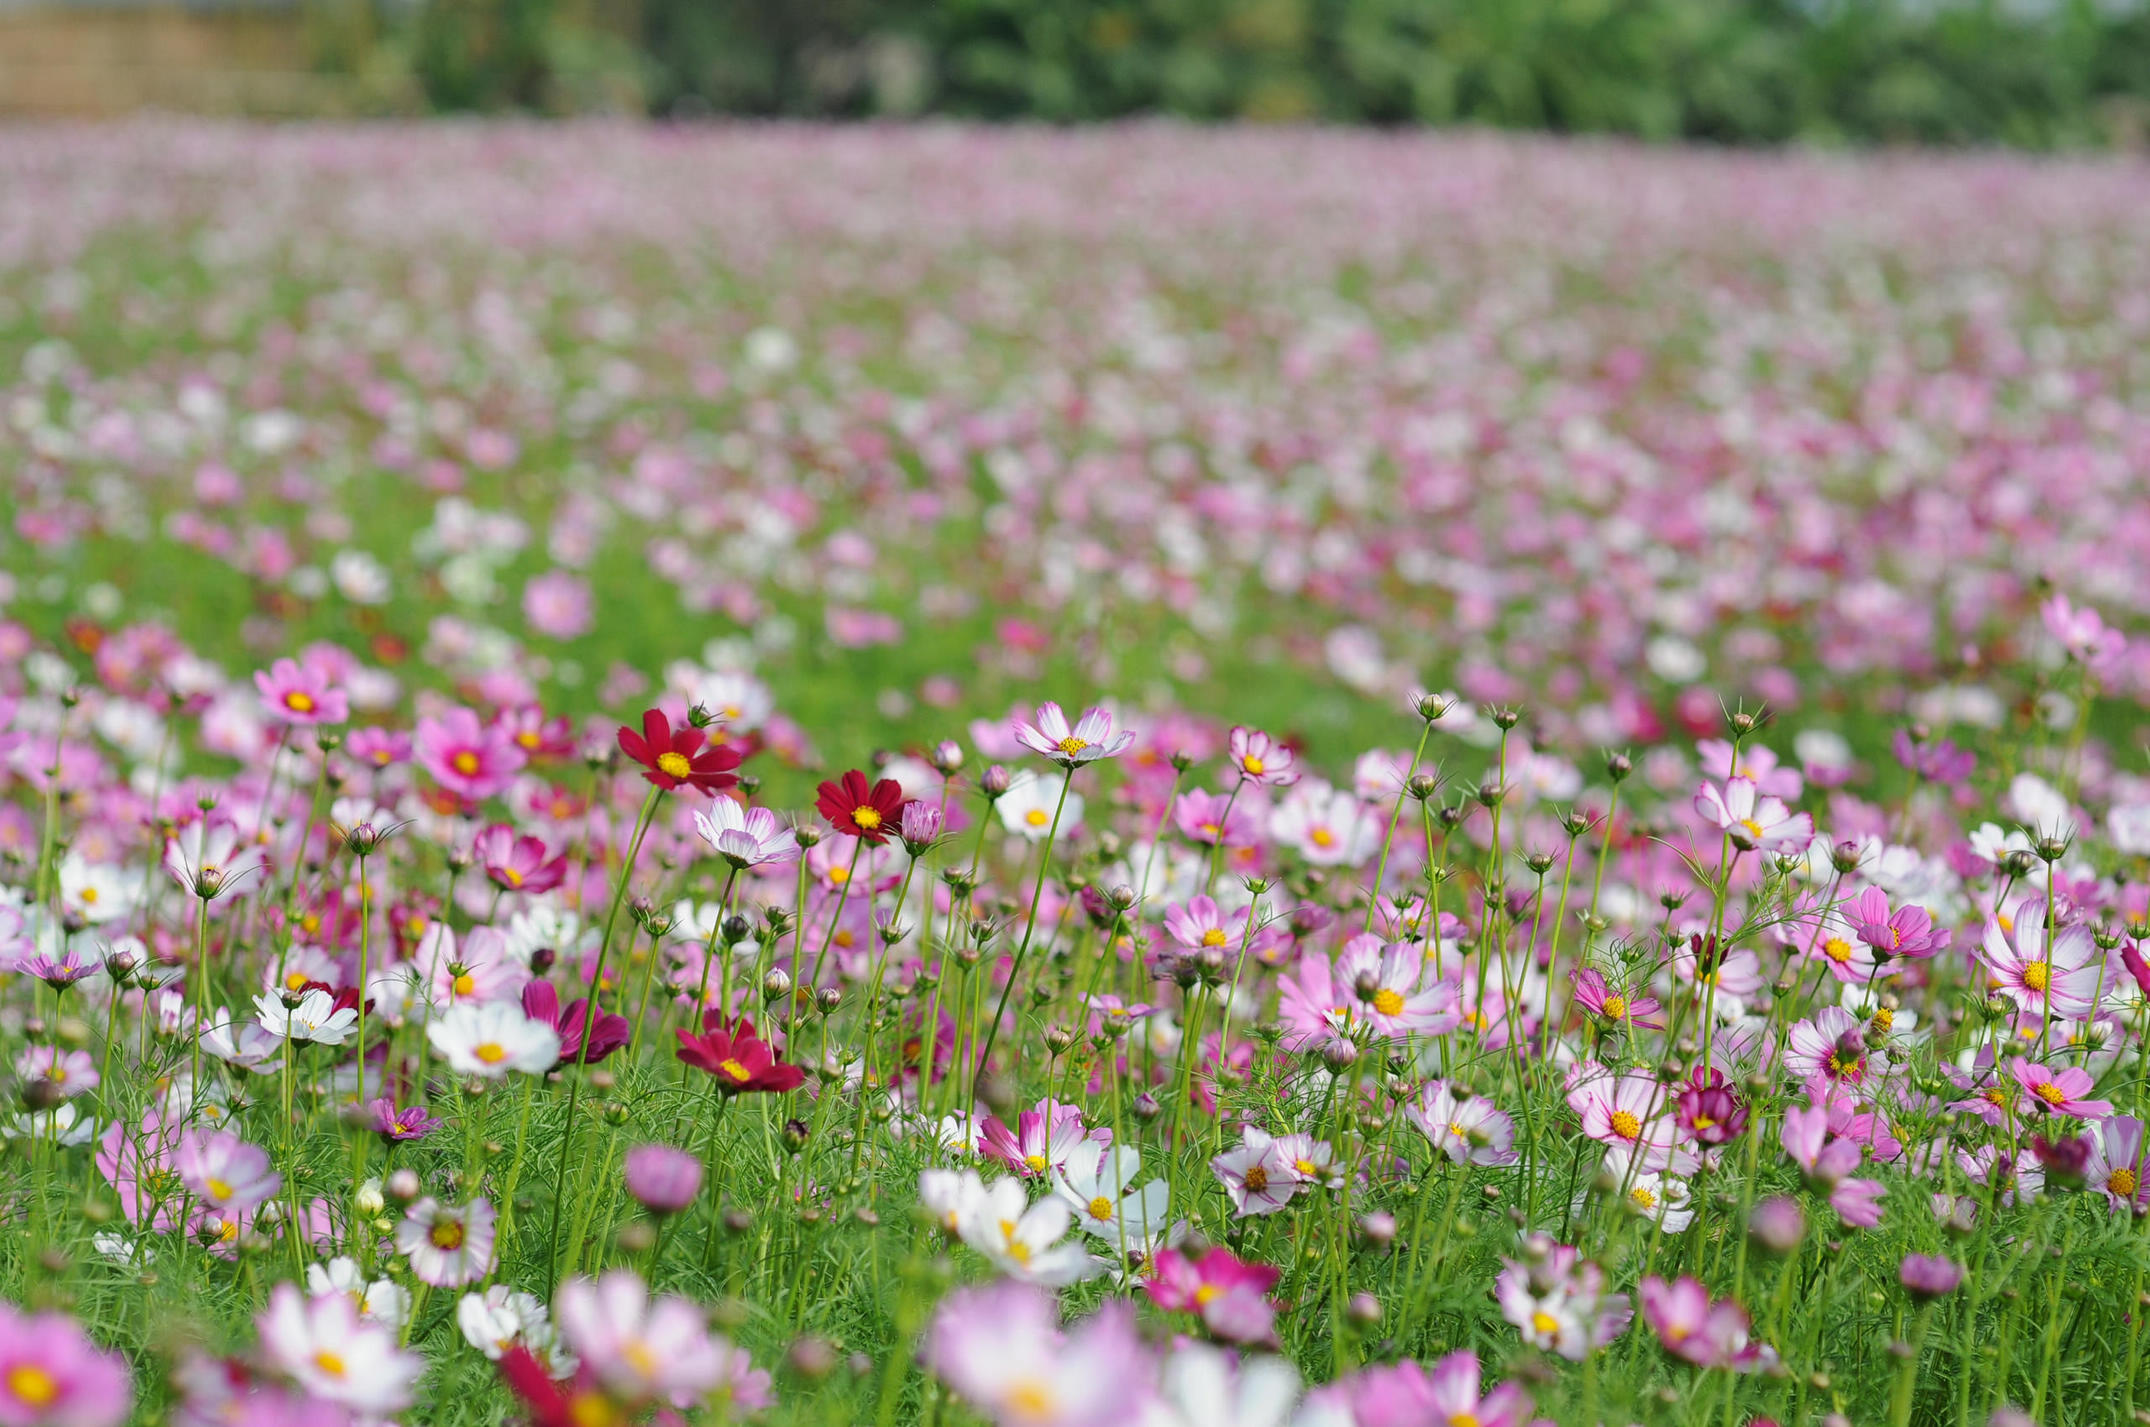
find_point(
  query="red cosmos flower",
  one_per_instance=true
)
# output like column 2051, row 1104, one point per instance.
column 542, row 1003
column 860, row 811
column 581, row 1402
column 671, row 756
column 740, row 1059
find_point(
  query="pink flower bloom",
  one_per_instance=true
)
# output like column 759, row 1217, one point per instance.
column 1858, row 1201
column 1695, row 1330
column 1210, row 818
column 51, row 1373
column 1090, row 739
column 1258, row 1173
column 293, row 694
column 378, row 747
column 1000, row 1348
column 2115, row 1167
column 2086, row 636
column 1624, row 1012
column 516, row 863
column 1830, row 1043
column 1753, row 820
column 1631, row 1109
column 1907, row 931
column 224, row 1171
column 1755, row 762
column 1389, row 990
column 447, row 1246
column 1557, row 1300
column 1198, row 925
column 1044, row 1139
column 2059, row 1092
column 468, row 758
column 642, row 1350
column 1466, row 1130
column 1231, row 1296
column 557, row 604
column 662, row 1179
column 2062, row 977
column 1328, row 827
column 1258, row 758
column 1406, row 1394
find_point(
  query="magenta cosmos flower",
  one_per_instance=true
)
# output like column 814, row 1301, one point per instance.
column 1090, row 739
column 1230, row 1295
column 50, row 1372
column 1387, row 989
column 1407, row 1392
column 1045, row 1138
column 1258, row 758
column 468, row 758
column 1905, row 931
column 2059, row 1092
column 1696, row 1330
column 516, row 862
column 224, row 1171
column 1609, row 1004
column 294, row 694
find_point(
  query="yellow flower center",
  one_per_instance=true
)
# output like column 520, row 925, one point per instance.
column 1388, row 1002
column 674, row 765
column 1462, row 1419
column 329, row 1363
column 1029, row 1400
column 1017, row 1249
column 2036, row 975
column 1101, row 1208
column 1252, row 764
column 1754, row 829
column 639, row 1356
column 2123, row 1182
column 866, row 817
column 838, row 876
column 511, row 876
column 1206, row 1295
column 2052, row 1094
column 1837, row 950
column 735, row 1070
column 1544, row 1322
column 1036, row 1163
column 593, row 1409
column 1306, row 1166
column 1036, row 817
column 1214, row 937
column 492, row 1052
column 1885, row 1020
column 465, row 763
column 219, row 1188
column 89, row 894
column 1071, row 745
column 299, row 701
column 1642, row 1196
column 1625, row 1125
column 1257, row 1179
column 1322, row 837
column 447, row 1235
column 1615, row 1007
column 29, row 1383
column 464, row 985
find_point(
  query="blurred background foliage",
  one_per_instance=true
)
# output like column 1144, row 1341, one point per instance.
column 2037, row 73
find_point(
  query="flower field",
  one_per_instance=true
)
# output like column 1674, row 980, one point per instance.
column 1069, row 778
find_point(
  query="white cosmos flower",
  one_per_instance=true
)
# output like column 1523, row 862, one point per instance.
column 491, row 1038
column 382, row 1301
column 503, row 1317
column 1024, row 1240
column 331, row 1352
column 97, row 892
column 1026, row 809
column 1106, row 1203
column 315, row 1018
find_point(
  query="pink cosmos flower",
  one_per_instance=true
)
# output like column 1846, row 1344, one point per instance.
column 378, row 748
column 1753, row 820
column 2086, row 637
column 1755, row 762
column 1328, row 827
column 662, row 1179
column 2115, row 1167
column 1386, row 989
column 1557, row 1300
column 1830, row 1043
column 1465, row 1129
column 1631, row 1109
column 447, row 1246
column 516, row 862
column 1258, row 1173
column 1258, row 758
column 1623, row 1012
column 2061, row 978
column 294, row 694
column 1044, row 1139
column 51, row 1373
column 1905, row 932
column 471, row 759
column 2059, row 1092
column 137, row 1163
column 1210, row 818
column 641, row 1350
column 224, row 1171
column 1000, row 1348
column 557, row 604
column 1230, row 1295
column 1199, row 925
column 1090, row 739
column 1406, row 1394
column 751, row 837
column 1696, row 1330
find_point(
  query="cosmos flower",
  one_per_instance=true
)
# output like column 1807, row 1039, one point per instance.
column 1465, row 1129
column 541, row 1003
column 327, row 1348
column 1753, row 820
column 294, row 694
column 1257, row 758
column 319, row 1017
column 515, row 862
column 1090, row 739
column 1229, row 1294
column 1000, row 1348
column 2059, row 1092
column 662, row 1179
column 1695, row 1329
column 1045, row 1139
column 1259, row 1173
column 1616, row 1008
column 641, row 1349
column 471, row 759
column 446, row 1246
column 869, row 812
column 1557, row 1301
column 1024, row 1241
column 491, row 1038
column 745, row 837
column 51, row 1373
column 679, row 757
column 224, row 1171
column 1028, row 807
column 739, row 1059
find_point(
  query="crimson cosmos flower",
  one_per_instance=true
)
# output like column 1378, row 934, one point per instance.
column 740, row 1059
column 853, row 808
column 671, row 756
column 581, row 1402
column 542, row 1003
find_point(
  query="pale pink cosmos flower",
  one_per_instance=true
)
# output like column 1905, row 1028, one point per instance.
column 1631, row 1109
column 641, row 1350
column 1406, row 1393
column 447, row 1246
column 1328, row 827
column 749, row 837
column 557, row 604
column 1465, row 1129
column 224, row 1171
column 1258, row 758
column 1697, row 1330
column 1755, row 762
column 294, row 694
column 1386, row 989
column 1608, row 1003
column 1210, row 818
column 1557, row 1300
column 2061, row 978
column 1000, row 1348
column 2087, row 638
column 1753, row 820
column 2115, row 1168
column 1899, row 932
column 52, row 1373
column 1089, row 739
column 1044, row 1139
column 1258, row 1173
column 328, row 1349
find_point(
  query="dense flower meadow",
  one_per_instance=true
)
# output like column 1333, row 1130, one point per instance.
column 873, row 776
